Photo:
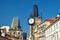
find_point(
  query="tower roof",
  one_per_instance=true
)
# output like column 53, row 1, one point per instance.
column 15, row 23
column 35, row 11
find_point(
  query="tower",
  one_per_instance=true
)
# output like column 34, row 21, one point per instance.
column 15, row 28
column 37, row 21
column 35, row 14
column 37, row 25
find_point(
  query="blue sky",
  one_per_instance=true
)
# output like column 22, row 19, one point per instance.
column 23, row 9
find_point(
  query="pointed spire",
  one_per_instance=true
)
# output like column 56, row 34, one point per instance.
column 15, row 23
column 35, row 11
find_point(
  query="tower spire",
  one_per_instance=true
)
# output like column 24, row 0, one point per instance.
column 15, row 23
column 35, row 11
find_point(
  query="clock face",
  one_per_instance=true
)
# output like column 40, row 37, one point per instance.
column 31, row 21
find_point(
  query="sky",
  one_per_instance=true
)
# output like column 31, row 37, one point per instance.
column 23, row 8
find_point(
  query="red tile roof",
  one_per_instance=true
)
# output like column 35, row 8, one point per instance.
column 52, row 19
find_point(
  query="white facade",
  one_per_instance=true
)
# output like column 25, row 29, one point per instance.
column 7, row 28
column 3, row 34
column 53, row 32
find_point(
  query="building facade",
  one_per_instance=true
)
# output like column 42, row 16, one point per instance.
column 52, row 31
column 15, row 28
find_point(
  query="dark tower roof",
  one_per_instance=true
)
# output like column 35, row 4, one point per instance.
column 35, row 11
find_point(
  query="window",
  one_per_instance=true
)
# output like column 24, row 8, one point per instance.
column 8, row 32
column 52, row 28
column 49, row 30
column 55, row 26
column 47, row 38
column 18, row 32
column 45, row 32
column 14, row 32
column 59, row 24
column 52, row 37
column 59, row 35
column 32, row 37
column 56, row 36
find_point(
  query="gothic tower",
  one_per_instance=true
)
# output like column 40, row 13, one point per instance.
column 35, row 14
column 15, row 23
column 36, row 29
column 15, row 28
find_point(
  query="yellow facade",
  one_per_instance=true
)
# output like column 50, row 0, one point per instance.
column 47, row 23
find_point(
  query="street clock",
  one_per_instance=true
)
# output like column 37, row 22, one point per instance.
column 31, row 21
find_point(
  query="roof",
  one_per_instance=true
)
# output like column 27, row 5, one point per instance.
column 52, row 19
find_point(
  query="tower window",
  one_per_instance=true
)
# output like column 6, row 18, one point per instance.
column 14, row 32
column 18, row 32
